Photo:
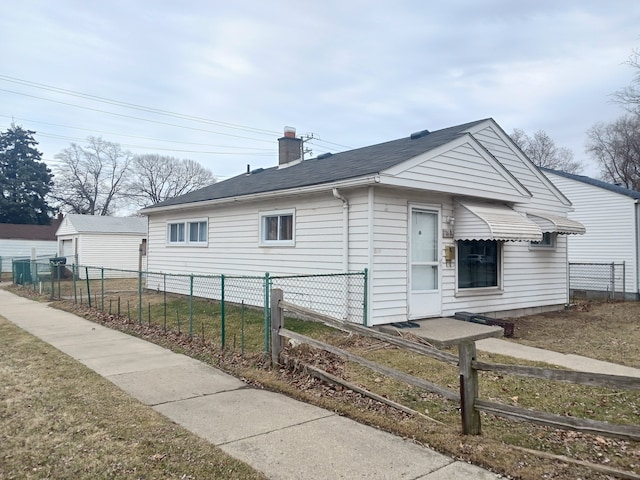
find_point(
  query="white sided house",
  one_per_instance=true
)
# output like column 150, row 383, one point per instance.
column 101, row 241
column 611, row 215
column 452, row 220
column 27, row 241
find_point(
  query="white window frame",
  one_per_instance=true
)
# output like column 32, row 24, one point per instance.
column 491, row 290
column 186, row 227
column 548, row 245
column 263, row 242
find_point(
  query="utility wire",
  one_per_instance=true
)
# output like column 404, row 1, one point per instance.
column 131, row 136
column 135, row 106
column 136, row 118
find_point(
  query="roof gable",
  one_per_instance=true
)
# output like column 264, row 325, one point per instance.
column 455, row 168
column 496, row 140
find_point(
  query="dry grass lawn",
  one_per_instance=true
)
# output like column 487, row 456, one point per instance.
column 60, row 420
column 602, row 330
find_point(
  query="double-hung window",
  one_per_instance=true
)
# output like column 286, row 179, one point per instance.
column 277, row 228
column 187, row 232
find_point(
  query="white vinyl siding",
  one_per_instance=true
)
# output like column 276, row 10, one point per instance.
column 10, row 248
column 115, row 251
column 609, row 219
column 457, row 171
column 544, row 196
column 235, row 248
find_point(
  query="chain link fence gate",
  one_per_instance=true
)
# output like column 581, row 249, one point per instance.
column 597, row 281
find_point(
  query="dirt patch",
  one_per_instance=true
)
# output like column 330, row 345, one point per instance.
column 608, row 331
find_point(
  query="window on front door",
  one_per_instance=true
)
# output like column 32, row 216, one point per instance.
column 478, row 263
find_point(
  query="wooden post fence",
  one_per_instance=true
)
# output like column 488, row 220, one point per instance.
column 468, row 388
column 276, row 325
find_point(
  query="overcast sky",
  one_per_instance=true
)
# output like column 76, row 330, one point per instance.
column 217, row 81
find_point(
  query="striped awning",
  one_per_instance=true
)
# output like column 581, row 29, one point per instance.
column 489, row 221
column 556, row 223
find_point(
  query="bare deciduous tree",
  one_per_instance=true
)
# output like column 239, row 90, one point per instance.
column 629, row 96
column 542, row 151
column 616, row 147
column 90, row 179
column 155, row 178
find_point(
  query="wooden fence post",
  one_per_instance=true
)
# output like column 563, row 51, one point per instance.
column 276, row 324
column 468, row 388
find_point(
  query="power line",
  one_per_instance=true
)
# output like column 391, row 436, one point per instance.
column 135, row 106
column 153, row 110
column 130, row 136
column 135, row 118
column 76, row 139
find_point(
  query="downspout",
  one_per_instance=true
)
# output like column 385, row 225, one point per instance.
column 345, row 229
column 345, row 249
column 637, row 252
column 370, row 215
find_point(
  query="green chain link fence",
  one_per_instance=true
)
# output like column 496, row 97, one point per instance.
column 230, row 311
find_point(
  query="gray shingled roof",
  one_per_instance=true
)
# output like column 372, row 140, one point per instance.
column 356, row 163
column 596, row 183
column 104, row 224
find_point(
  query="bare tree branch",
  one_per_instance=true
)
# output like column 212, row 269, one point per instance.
column 155, row 178
column 90, row 179
column 543, row 152
column 616, row 148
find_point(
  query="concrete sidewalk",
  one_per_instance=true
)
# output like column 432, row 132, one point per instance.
column 275, row 434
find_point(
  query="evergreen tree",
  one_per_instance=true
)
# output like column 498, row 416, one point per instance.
column 25, row 180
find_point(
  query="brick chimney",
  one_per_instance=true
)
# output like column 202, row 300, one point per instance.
column 289, row 147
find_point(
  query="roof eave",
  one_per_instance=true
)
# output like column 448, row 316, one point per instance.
column 350, row 183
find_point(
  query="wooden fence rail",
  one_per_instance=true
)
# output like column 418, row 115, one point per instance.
column 468, row 366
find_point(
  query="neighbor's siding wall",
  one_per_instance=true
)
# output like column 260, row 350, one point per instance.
column 66, row 228
column 609, row 219
column 10, row 248
column 115, row 251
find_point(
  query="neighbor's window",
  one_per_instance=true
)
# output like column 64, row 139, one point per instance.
column 478, row 263
column 548, row 241
column 176, row 233
column 277, row 228
column 197, row 232
column 187, row 233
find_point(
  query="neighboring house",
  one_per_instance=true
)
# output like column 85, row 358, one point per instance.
column 452, row 220
column 22, row 241
column 101, row 241
column 612, row 218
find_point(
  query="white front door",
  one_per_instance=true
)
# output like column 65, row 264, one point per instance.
column 424, row 263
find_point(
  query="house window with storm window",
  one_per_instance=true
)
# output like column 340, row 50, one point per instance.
column 478, row 264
